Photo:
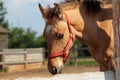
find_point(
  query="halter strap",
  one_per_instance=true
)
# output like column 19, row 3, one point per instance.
column 67, row 47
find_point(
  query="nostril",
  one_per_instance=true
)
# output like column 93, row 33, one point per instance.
column 54, row 70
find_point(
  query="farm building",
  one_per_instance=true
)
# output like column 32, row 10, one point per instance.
column 3, row 38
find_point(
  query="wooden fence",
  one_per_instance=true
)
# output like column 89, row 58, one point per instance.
column 116, row 25
column 14, row 60
column 76, row 51
column 108, row 75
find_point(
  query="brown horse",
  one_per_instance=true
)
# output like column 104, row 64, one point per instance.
column 89, row 21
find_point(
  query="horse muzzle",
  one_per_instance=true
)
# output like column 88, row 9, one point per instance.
column 55, row 70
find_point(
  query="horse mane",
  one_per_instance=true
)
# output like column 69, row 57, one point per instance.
column 69, row 5
column 92, row 7
column 65, row 6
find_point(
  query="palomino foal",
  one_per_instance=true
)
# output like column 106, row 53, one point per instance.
column 88, row 21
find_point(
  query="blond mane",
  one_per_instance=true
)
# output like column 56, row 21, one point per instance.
column 69, row 5
column 92, row 7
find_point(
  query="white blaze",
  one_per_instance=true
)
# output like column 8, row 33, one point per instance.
column 48, row 28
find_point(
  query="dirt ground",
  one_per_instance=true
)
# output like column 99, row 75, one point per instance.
column 43, row 72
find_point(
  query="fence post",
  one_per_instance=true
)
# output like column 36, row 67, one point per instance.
column 116, row 25
column 3, row 60
column 25, row 59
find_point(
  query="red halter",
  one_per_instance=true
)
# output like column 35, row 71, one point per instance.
column 67, row 47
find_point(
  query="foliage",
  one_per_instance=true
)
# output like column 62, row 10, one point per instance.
column 3, row 11
column 88, row 62
column 41, row 41
column 85, row 62
column 19, row 38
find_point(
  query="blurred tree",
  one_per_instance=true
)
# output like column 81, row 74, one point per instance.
column 14, row 37
column 19, row 38
column 29, row 39
column 40, row 42
column 3, row 11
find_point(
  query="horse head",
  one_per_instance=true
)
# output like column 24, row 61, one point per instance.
column 59, row 37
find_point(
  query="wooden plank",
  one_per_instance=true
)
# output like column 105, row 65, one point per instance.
column 116, row 25
column 21, row 62
column 12, row 50
column 34, row 61
column 20, row 67
column 32, row 66
column 35, row 56
column 109, row 75
column 15, row 68
column 35, row 50
column 13, row 58
column 14, row 53
column 35, row 53
column 14, row 63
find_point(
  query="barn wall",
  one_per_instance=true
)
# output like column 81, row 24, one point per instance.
column 3, row 40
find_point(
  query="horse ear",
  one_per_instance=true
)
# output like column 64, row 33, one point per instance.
column 43, row 10
column 58, row 11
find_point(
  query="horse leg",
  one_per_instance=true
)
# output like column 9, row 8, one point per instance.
column 105, row 63
column 95, row 54
column 111, row 63
column 103, row 68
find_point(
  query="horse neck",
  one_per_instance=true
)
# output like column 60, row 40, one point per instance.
column 79, row 21
column 85, row 27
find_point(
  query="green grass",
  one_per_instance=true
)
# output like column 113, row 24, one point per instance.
column 85, row 62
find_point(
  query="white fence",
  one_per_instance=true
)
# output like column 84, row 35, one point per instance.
column 109, row 75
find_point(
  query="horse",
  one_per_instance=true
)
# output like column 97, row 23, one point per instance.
column 88, row 21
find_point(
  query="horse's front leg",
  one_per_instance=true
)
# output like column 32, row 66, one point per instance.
column 111, row 63
column 106, row 63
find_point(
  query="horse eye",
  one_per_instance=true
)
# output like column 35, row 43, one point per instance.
column 59, row 36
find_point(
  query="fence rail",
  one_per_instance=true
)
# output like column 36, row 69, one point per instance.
column 16, row 57
column 76, row 51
